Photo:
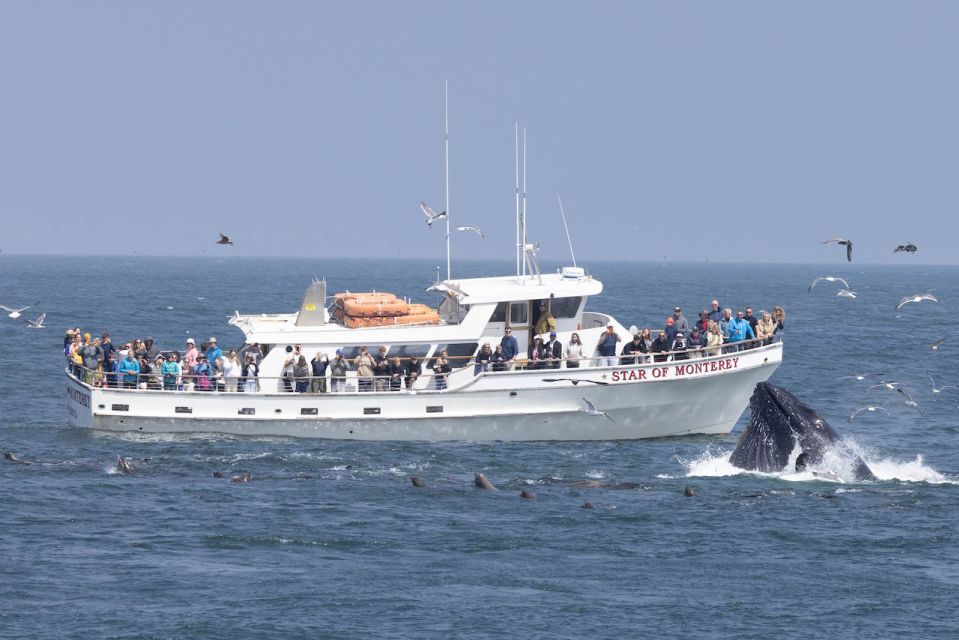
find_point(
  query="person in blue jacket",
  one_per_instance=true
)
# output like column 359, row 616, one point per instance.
column 739, row 330
column 130, row 369
column 213, row 352
column 510, row 348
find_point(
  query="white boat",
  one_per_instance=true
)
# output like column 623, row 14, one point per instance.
column 681, row 395
column 677, row 397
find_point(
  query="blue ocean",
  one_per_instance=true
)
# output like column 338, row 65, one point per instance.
column 331, row 540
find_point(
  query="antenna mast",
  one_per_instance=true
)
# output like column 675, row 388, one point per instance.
column 565, row 226
column 525, row 259
column 446, row 141
column 519, row 245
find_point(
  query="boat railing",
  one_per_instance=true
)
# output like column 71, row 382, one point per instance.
column 354, row 383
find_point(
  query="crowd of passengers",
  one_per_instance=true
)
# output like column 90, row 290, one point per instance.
column 141, row 364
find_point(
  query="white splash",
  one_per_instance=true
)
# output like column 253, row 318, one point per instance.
column 836, row 466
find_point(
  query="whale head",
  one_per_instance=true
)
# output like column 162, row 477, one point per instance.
column 781, row 422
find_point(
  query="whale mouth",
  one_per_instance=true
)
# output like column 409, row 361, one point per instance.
column 781, row 422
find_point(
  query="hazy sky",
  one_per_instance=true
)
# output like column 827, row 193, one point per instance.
column 745, row 131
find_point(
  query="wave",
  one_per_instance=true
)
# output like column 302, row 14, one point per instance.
column 833, row 468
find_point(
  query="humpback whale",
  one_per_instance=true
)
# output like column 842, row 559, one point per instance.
column 780, row 422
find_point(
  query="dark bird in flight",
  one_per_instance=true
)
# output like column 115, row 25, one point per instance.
column 224, row 240
column 908, row 247
column 848, row 244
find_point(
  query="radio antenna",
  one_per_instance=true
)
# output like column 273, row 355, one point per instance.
column 565, row 226
column 519, row 244
column 446, row 141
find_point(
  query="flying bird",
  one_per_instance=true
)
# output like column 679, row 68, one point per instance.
column 15, row 313
column 871, row 407
column 224, row 240
column 828, row 279
column 860, row 376
column 935, row 345
column 909, row 400
column 936, row 389
column 475, row 230
column 575, row 381
column 886, row 384
column 848, row 244
column 431, row 216
column 591, row 410
column 36, row 323
column 846, row 293
column 916, row 298
column 908, row 247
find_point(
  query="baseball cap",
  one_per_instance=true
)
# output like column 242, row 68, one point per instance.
column 190, row 341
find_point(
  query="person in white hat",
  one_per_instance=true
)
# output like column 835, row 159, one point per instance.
column 189, row 356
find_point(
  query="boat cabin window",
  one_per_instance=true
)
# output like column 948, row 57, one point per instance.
column 351, row 352
column 518, row 312
column 459, row 353
column 565, row 307
column 407, row 350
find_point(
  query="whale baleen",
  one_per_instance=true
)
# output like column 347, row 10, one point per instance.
column 781, row 422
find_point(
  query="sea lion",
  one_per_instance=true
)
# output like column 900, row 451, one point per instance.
column 480, row 481
column 527, row 495
column 123, row 466
column 418, row 482
column 586, row 505
column 12, row 457
column 218, row 474
column 246, row 476
column 689, row 492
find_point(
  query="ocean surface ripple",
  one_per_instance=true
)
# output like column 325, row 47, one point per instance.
column 330, row 539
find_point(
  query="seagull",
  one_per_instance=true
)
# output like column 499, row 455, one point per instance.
column 909, row 247
column 909, row 400
column 919, row 297
column 591, row 410
column 848, row 244
column 15, row 313
column 846, row 293
column 886, row 384
column 431, row 216
column 868, row 408
column 935, row 345
column 828, row 279
column 861, row 376
column 575, row 381
column 939, row 389
column 224, row 240
column 475, row 230
column 37, row 323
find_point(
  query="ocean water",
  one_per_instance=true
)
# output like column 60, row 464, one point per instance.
column 331, row 540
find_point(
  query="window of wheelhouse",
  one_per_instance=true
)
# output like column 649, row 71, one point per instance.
column 519, row 313
column 565, row 307
column 458, row 353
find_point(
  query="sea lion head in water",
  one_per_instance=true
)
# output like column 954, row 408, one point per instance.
column 123, row 466
column 480, row 481
column 527, row 495
column 246, row 476
column 781, row 422
column 418, row 482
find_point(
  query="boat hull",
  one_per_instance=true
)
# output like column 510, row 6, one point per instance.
column 704, row 396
